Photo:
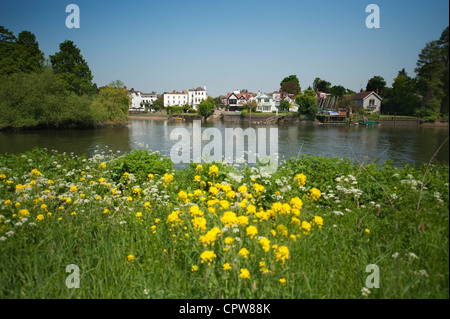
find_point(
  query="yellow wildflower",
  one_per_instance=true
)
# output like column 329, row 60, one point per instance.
column 265, row 244
column 251, row 231
column 208, row 256
column 244, row 274
column 318, row 221
column 244, row 252
column 214, row 170
column 315, row 193
column 281, row 254
column 301, row 179
column 226, row 266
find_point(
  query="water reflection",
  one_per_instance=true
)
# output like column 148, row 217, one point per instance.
column 364, row 144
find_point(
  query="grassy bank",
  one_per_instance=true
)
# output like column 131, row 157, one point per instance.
column 137, row 228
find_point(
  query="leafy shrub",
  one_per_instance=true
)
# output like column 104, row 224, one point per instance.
column 427, row 115
column 140, row 163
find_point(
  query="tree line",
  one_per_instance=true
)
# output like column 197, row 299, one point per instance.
column 425, row 95
column 54, row 92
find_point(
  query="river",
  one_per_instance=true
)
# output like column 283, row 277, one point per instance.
column 365, row 144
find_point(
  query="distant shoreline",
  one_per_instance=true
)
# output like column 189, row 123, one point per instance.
column 436, row 124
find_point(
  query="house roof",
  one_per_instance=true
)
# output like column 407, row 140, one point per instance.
column 197, row 89
column 364, row 95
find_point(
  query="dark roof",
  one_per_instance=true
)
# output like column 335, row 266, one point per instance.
column 197, row 89
column 363, row 95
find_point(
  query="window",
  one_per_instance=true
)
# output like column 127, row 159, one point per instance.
column 372, row 102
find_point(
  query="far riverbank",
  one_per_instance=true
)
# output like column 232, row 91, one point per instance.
column 280, row 119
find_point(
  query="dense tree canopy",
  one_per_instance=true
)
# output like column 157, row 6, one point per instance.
column 32, row 94
column 402, row 98
column 321, row 85
column 307, row 102
column 376, row 83
column 70, row 65
column 432, row 73
column 291, row 85
column 21, row 54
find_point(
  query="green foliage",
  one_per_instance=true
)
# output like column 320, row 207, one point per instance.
column 284, row 105
column 174, row 109
column 34, row 99
column 117, row 84
column 140, row 163
column 206, row 108
column 338, row 90
column 307, row 103
column 402, row 98
column 290, row 85
column 427, row 115
column 321, row 85
column 84, row 213
column 250, row 105
column 113, row 104
column 376, row 83
column 432, row 73
column 244, row 112
column 20, row 54
column 71, row 67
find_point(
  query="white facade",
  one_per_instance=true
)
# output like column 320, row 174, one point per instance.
column 139, row 100
column 196, row 96
column 266, row 103
column 193, row 97
column 175, row 99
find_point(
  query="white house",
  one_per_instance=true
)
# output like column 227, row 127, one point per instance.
column 193, row 97
column 368, row 100
column 265, row 102
column 140, row 100
column 135, row 97
column 175, row 99
column 196, row 96
column 280, row 96
column 149, row 98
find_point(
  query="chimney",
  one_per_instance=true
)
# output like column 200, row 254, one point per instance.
column 361, row 90
column 125, row 87
column 204, row 87
column 377, row 91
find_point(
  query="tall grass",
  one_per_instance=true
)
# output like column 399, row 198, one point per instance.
column 369, row 217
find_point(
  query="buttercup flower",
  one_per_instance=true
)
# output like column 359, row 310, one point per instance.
column 244, row 274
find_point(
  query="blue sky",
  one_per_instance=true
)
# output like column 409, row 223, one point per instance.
column 227, row 45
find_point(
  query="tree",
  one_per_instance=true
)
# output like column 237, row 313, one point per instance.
column 206, row 108
column 321, row 85
column 250, row 105
column 285, row 106
column 376, row 84
column 338, row 91
column 432, row 71
column 113, row 103
column 71, row 67
column 402, row 98
column 20, row 54
column 117, row 84
column 7, row 42
column 290, row 85
column 28, row 56
column 307, row 103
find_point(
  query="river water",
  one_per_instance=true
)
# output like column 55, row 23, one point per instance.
column 365, row 144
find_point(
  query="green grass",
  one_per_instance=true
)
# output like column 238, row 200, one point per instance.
column 409, row 244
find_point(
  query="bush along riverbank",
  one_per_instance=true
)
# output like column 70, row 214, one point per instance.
column 137, row 228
